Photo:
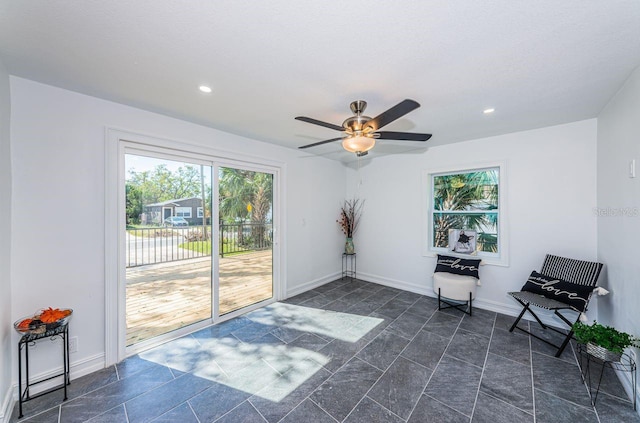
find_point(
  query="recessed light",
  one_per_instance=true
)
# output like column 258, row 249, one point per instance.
column 204, row 89
column 488, row 111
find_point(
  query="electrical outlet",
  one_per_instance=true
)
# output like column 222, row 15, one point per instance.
column 73, row 344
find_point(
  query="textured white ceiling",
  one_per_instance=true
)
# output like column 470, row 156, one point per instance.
column 538, row 63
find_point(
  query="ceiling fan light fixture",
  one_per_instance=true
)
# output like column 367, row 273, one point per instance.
column 359, row 132
column 358, row 144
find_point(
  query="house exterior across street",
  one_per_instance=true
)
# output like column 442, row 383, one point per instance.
column 189, row 208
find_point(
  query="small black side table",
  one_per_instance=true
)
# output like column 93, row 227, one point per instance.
column 62, row 332
column 349, row 266
column 626, row 364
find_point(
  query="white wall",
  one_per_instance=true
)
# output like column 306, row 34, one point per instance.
column 58, row 205
column 619, row 198
column 6, row 337
column 551, row 181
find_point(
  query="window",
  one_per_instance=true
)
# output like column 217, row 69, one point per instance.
column 200, row 212
column 464, row 213
column 183, row 211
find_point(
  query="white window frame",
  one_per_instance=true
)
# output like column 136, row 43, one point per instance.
column 502, row 257
column 200, row 213
column 183, row 211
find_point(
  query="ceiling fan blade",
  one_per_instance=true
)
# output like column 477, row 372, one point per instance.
column 392, row 114
column 319, row 122
column 402, row 136
column 320, row 142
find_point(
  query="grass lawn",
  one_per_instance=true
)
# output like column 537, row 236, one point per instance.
column 147, row 231
column 204, row 247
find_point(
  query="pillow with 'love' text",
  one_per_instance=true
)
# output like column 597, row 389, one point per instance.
column 574, row 295
column 458, row 266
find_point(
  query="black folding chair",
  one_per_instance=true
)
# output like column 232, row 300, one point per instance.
column 567, row 269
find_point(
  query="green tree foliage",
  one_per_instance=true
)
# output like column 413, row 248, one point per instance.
column 461, row 201
column 134, row 203
column 235, row 194
column 161, row 184
column 261, row 199
column 245, row 195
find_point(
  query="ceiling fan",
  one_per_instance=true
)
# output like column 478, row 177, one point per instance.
column 361, row 132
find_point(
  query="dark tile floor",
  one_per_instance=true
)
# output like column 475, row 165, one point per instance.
column 348, row 351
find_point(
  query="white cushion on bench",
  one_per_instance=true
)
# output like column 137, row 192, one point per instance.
column 455, row 287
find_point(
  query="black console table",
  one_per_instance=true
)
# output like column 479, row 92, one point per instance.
column 625, row 364
column 349, row 266
column 62, row 332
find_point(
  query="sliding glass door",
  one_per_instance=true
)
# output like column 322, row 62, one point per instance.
column 197, row 244
column 245, row 202
column 168, row 240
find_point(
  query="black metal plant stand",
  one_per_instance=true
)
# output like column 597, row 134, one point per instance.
column 61, row 331
column 625, row 364
column 349, row 266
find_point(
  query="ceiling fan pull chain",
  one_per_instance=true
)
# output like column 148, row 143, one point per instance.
column 359, row 175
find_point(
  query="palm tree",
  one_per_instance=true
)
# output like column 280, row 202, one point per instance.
column 245, row 194
column 465, row 201
column 235, row 194
column 262, row 184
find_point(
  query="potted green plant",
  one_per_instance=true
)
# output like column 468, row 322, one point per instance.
column 604, row 342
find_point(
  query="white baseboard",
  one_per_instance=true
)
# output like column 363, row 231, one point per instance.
column 394, row 283
column 312, row 284
column 87, row 365
column 78, row 369
column 510, row 309
column 7, row 406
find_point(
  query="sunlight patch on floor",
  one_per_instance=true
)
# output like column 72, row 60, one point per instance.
column 344, row 326
column 271, row 370
column 248, row 367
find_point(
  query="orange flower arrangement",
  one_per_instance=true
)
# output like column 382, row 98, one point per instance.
column 51, row 315
column 44, row 317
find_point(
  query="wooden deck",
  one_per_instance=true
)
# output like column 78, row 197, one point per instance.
column 168, row 296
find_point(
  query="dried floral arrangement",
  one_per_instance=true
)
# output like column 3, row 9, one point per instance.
column 350, row 213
